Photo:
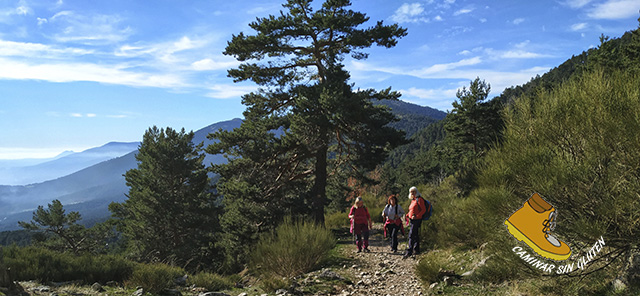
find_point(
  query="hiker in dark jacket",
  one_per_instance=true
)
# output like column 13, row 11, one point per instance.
column 417, row 208
column 392, row 215
column 360, row 219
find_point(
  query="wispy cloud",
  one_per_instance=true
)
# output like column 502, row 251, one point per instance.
column 522, row 50
column 615, row 9
column 75, row 71
column 578, row 27
column 464, row 70
column 462, row 11
column 518, row 21
column 174, row 53
column 576, row 3
column 228, row 91
column 409, row 13
column 23, row 8
column 38, row 50
column 83, row 115
column 88, row 29
column 434, row 71
column 436, row 98
column 209, row 64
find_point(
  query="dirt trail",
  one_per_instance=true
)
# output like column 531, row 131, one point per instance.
column 381, row 272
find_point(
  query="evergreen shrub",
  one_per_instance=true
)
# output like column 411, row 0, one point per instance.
column 211, row 281
column 337, row 220
column 154, row 278
column 34, row 263
column 292, row 249
column 577, row 146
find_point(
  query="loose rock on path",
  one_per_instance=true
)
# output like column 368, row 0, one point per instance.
column 382, row 272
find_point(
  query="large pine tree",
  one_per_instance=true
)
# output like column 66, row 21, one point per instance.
column 170, row 214
column 306, row 123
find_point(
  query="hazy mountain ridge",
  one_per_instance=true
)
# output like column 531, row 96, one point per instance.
column 91, row 189
column 64, row 164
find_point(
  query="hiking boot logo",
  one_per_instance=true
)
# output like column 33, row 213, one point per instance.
column 533, row 223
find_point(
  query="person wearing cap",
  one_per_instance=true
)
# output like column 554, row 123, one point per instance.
column 414, row 216
column 361, row 223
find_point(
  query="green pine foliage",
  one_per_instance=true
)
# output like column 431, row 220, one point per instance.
column 55, row 229
column 292, row 249
column 307, row 129
column 170, row 215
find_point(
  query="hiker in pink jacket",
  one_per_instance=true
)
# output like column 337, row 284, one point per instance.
column 360, row 219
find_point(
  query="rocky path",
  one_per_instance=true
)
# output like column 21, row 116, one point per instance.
column 381, row 272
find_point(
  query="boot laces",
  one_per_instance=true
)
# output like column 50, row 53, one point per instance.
column 549, row 224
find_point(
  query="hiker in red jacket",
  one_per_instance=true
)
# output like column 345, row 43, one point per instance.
column 360, row 219
column 417, row 208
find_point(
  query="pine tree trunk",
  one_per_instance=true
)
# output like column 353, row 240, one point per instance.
column 319, row 192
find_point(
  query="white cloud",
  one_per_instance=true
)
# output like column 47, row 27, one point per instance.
column 23, row 8
column 440, row 68
column 38, row 50
column 460, row 70
column 172, row 54
column 80, row 115
column 429, row 93
column 462, row 11
column 409, row 13
column 518, row 21
column 72, row 72
column 209, row 64
column 429, row 72
column 90, row 29
column 118, row 116
column 523, row 44
column 576, row 3
column 578, row 27
column 436, row 98
column 521, row 54
column 615, row 9
column 228, row 91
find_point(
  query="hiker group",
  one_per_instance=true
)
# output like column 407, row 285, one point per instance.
column 393, row 214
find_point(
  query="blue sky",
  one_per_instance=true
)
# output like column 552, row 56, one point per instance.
column 77, row 74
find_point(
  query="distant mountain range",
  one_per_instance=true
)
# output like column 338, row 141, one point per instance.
column 31, row 171
column 88, row 190
column 92, row 184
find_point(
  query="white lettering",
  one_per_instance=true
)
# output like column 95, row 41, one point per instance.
column 550, row 269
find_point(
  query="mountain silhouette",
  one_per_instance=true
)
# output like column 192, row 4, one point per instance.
column 62, row 165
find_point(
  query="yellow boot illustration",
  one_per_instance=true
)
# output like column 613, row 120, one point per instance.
column 533, row 223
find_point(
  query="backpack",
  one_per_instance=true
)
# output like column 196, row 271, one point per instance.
column 429, row 211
